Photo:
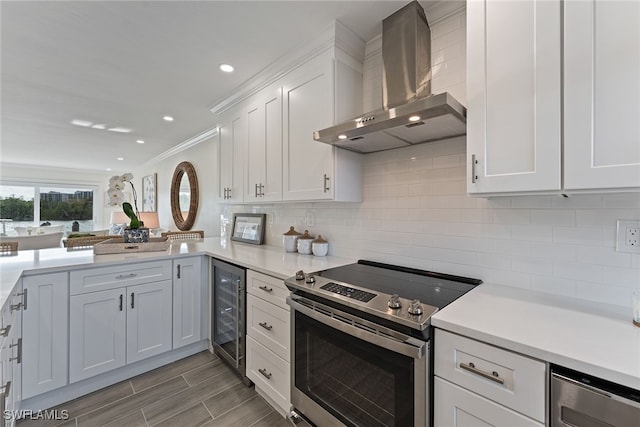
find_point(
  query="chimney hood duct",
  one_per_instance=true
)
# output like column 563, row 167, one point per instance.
column 411, row 114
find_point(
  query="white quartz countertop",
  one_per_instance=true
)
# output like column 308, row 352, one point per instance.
column 587, row 337
column 271, row 260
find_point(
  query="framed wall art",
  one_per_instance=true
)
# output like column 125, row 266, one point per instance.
column 149, row 193
column 248, row 228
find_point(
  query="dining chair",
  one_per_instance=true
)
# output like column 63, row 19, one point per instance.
column 8, row 248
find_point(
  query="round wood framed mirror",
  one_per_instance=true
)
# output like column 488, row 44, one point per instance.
column 184, row 196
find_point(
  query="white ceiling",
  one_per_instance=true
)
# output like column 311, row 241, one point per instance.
column 129, row 63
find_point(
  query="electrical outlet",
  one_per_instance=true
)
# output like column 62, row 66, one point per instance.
column 628, row 238
column 309, row 219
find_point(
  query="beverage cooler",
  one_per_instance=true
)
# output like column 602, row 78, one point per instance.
column 228, row 315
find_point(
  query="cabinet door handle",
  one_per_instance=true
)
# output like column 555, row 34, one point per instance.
column 326, row 183
column 261, row 190
column 265, row 288
column 24, row 298
column 15, row 307
column 121, row 301
column 178, row 271
column 133, row 300
column 493, row 376
column 474, row 163
column 265, row 373
column 265, row 325
column 256, row 191
column 126, row 276
column 18, row 358
column 4, row 332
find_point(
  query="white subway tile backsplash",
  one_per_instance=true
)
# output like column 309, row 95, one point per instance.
column 554, row 285
column 555, row 252
column 578, row 235
column 553, row 217
column 511, row 216
column 582, row 272
column 603, row 256
column 623, row 277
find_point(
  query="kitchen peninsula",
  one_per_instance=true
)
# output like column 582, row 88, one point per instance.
column 163, row 315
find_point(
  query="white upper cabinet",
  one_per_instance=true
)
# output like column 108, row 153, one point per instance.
column 266, row 140
column 523, row 64
column 231, row 145
column 602, row 94
column 317, row 95
column 513, row 95
column 263, row 182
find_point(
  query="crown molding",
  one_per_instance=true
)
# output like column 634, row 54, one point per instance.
column 191, row 142
column 441, row 10
column 335, row 35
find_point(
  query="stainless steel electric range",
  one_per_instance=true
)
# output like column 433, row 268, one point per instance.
column 360, row 343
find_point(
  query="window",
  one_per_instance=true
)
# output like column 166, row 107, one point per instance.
column 29, row 205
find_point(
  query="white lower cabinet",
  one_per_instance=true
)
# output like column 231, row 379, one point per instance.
column 11, row 352
column 187, row 301
column 111, row 328
column 456, row 406
column 479, row 384
column 268, row 338
column 45, row 323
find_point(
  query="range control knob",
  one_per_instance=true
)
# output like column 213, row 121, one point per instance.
column 415, row 308
column 310, row 278
column 394, row 301
column 300, row 275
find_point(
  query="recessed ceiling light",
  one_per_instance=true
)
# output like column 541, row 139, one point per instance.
column 120, row 129
column 342, row 136
column 108, row 169
column 120, row 158
column 82, row 123
column 99, row 126
column 167, row 118
column 414, row 118
column 140, row 141
column 226, row 68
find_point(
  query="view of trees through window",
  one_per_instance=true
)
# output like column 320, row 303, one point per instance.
column 34, row 205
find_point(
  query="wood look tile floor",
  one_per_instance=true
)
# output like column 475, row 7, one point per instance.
column 199, row 390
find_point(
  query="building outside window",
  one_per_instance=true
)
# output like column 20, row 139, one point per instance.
column 34, row 205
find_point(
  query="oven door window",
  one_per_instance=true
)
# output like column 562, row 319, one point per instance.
column 359, row 383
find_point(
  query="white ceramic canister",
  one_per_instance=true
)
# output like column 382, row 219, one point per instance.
column 304, row 243
column 320, row 247
column 290, row 240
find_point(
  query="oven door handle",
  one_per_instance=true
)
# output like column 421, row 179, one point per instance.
column 406, row 345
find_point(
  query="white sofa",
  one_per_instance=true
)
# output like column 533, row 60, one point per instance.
column 36, row 241
column 45, row 229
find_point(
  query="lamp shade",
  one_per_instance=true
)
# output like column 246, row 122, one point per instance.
column 119, row 217
column 150, row 219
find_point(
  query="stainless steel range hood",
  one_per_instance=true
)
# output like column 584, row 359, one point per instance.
column 411, row 114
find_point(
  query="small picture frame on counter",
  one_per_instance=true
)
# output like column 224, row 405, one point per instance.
column 248, row 228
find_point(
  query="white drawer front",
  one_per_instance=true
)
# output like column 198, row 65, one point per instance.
column 103, row 278
column 510, row 379
column 268, row 288
column 457, row 407
column 269, row 325
column 269, row 373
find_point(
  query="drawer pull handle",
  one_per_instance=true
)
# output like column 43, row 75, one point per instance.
column 265, row 325
column 265, row 374
column 493, row 376
column 265, row 288
column 126, row 276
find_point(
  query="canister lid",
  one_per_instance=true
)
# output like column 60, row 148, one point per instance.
column 291, row 232
column 320, row 239
column 306, row 236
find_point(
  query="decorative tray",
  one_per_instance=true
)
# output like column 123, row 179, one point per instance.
column 118, row 246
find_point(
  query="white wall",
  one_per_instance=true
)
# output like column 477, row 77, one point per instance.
column 204, row 157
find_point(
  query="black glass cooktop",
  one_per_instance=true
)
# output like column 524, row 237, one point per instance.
column 436, row 289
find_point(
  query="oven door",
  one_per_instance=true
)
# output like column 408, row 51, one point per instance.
column 346, row 370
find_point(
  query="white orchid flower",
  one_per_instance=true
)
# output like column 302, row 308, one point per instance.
column 116, row 197
column 126, row 177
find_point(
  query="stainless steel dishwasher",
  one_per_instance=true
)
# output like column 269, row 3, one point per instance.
column 580, row 400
